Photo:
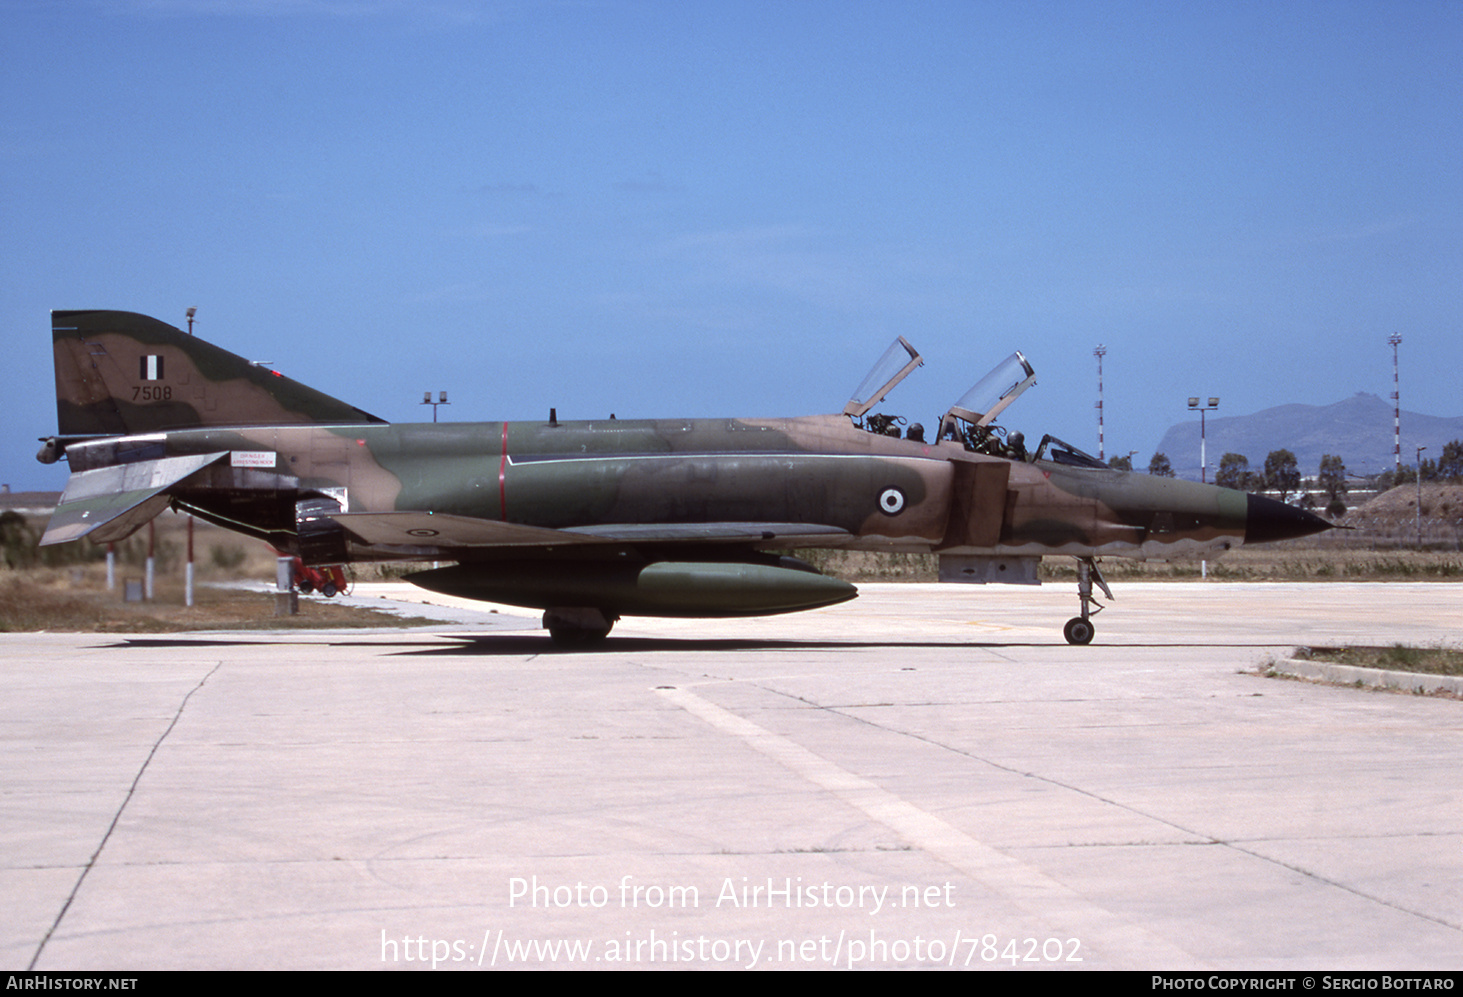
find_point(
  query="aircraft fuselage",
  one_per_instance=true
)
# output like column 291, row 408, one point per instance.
column 884, row 493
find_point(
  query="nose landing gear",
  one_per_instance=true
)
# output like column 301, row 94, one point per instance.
column 1079, row 629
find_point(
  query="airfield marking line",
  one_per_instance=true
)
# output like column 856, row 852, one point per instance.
column 91, row 862
column 1028, row 888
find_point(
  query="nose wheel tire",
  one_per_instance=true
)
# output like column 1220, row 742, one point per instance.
column 1079, row 631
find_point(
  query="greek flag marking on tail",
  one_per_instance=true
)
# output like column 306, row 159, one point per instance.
column 152, row 367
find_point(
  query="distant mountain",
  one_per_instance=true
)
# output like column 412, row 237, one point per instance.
column 1358, row 429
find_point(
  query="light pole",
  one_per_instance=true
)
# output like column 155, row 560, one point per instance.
column 1393, row 340
column 427, row 400
column 1194, row 406
column 188, row 568
column 1099, row 353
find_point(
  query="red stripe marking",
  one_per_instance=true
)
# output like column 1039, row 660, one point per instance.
column 502, row 470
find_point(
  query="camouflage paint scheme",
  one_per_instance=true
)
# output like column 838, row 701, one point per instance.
column 657, row 517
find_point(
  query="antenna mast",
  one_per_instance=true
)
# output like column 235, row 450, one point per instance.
column 1394, row 339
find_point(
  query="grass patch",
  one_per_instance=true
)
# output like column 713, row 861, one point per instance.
column 1396, row 658
column 68, row 602
column 1283, row 562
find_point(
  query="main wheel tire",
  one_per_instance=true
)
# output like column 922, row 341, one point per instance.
column 576, row 637
column 1079, row 631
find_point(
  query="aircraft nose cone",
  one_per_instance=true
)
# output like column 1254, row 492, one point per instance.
column 1267, row 520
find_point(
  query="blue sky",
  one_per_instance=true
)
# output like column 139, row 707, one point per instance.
column 731, row 208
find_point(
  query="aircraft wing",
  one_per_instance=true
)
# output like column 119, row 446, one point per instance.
column 714, row 532
column 451, row 531
column 111, row 503
column 465, row 531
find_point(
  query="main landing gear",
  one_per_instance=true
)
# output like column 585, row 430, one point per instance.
column 578, row 626
column 1079, row 629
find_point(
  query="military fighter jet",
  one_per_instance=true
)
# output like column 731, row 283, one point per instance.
column 591, row 521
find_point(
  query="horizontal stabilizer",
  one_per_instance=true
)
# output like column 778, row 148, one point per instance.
column 111, row 503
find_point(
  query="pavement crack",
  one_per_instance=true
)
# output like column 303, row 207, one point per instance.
column 136, row 780
column 1206, row 839
column 1317, row 877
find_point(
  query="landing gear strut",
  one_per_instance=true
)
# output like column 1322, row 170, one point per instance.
column 1079, row 629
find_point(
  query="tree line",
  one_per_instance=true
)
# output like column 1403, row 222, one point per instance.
column 1281, row 473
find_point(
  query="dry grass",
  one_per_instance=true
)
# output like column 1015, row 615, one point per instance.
column 1293, row 561
column 77, row 601
column 1397, row 658
column 74, row 598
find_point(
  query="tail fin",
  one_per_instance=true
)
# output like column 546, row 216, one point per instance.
column 120, row 373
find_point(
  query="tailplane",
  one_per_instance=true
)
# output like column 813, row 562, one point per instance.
column 121, row 374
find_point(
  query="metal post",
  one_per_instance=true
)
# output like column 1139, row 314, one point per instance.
column 1099, row 353
column 1203, row 434
column 1394, row 339
column 1203, row 450
column 286, row 599
column 188, row 568
column 1419, row 496
column 151, row 549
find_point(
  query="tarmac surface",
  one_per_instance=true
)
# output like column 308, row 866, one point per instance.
column 926, row 776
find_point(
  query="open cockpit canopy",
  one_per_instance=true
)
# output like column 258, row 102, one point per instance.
column 894, row 366
column 971, row 420
column 993, row 393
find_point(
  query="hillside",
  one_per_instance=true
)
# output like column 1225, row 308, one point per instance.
column 1392, row 515
column 1358, row 429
